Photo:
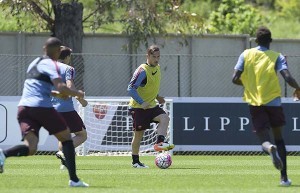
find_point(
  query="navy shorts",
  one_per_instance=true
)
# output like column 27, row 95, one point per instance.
column 143, row 117
column 33, row 118
column 265, row 117
column 73, row 120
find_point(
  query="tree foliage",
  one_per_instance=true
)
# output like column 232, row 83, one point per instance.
column 235, row 17
column 139, row 19
column 288, row 9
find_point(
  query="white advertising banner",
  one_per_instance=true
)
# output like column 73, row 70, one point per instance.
column 10, row 133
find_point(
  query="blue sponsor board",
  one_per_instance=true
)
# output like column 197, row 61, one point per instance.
column 225, row 122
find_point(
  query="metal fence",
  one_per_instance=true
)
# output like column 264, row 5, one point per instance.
column 109, row 75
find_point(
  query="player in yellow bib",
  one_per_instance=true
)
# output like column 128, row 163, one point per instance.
column 143, row 89
column 256, row 70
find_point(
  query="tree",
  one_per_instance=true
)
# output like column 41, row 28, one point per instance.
column 288, row 9
column 235, row 17
column 140, row 19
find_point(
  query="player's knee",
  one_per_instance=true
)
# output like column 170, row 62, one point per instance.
column 63, row 136
column 82, row 134
column 165, row 118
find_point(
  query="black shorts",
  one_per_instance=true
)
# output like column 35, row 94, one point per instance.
column 265, row 117
column 73, row 120
column 33, row 118
column 143, row 117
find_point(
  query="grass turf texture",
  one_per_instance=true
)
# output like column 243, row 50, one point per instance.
column 114, row 174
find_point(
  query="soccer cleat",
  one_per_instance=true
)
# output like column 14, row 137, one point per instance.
column 163, row 146
column 275, row 158
column 2, row 160
column 60, row 155
column 287, row 182
column 78, row 184
column 139, row 165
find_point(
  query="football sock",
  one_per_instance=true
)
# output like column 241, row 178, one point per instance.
column 160, row 138
column 135, row 159
column 69, row 152
column 282, row 154
column 18, row 150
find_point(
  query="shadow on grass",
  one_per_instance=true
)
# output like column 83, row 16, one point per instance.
column 291, row 186
column 91, row 169
column 189, row 168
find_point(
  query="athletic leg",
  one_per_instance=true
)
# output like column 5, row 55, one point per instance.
column 69, row 152
column 78, row 139
column 162, row 129
column 135, row 145
column 269, row 148
column 163, row 124
column 279, row 142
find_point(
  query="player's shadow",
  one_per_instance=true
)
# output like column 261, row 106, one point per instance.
column 291, row 186
column 101, row 187
column 91, row 169
column 188, row 168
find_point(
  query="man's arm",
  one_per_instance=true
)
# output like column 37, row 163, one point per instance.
column 63, row 89
column 51, row 68
column 160, row 99
column 289, row 79
column 236, row 77
column 238, row 70
column 136, row 81
column 70, row 74
column 70, row 84
column 292, row 82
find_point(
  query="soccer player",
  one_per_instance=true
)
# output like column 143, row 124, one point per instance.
column 256, row 70
column 35, row 110
column 65, row 107
column 143, row 89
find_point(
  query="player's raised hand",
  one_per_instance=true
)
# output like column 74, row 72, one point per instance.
column 160, row 99
column 296, row 95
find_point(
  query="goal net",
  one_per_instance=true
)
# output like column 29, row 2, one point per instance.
column 109, row 128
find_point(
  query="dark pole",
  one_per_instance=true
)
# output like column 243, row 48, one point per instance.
column 178, row 74
column 285, row 84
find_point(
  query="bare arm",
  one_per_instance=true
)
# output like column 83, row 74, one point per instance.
column 289, row 79
column 292, row 82
column 236, row 77
column 70, row 84
column 63, row 89
column 160, row 99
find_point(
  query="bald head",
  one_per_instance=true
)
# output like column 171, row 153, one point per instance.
column 52, row 47
column 53, row 42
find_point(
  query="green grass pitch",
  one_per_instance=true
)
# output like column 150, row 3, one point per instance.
column 222, row 174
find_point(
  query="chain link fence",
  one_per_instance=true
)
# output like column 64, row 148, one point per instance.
column 109, row 75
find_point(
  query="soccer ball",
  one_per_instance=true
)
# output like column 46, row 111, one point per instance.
column 163, row 160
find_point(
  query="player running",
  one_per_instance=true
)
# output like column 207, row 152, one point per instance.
column 256, row 70
column 65, row 107
column 35, row 110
